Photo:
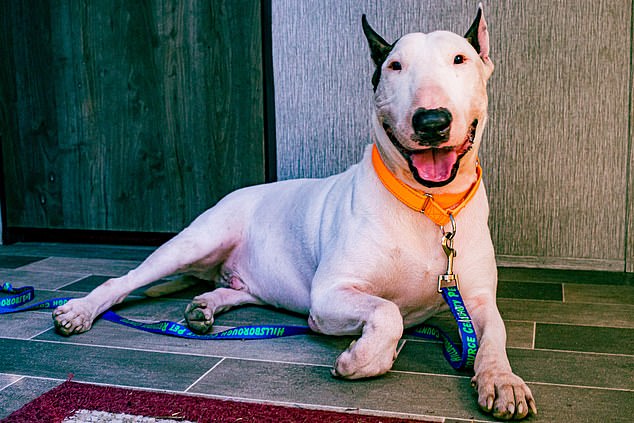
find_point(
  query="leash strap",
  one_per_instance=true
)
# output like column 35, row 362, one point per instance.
column 460, row 359
column 463, row 360
column 165, row 327
column 20, row 296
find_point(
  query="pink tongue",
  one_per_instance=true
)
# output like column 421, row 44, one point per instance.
column 435, row 164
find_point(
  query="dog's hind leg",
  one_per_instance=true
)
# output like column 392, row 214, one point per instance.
column 205, row 243
column 201, row 311
column 349, row 311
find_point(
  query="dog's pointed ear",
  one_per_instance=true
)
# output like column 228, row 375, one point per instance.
column 478, row 35
column 379, row 48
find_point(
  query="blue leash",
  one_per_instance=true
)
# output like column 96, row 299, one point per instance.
column 459, row 358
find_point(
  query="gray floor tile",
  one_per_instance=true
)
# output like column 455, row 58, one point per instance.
column 151, row 309
column 251, row 315
column 519, row 334
column 6, row 380
column 22, row 392
column 86, row 284
column 599, row 294
column 571, row 404
column 311, row 349
column 12, row 262
column 24, row 325
column 425, row 357
column 103, row 365
column 530, row 291
column 89, row 266
column 415, row 394
column 567, row 313
column 41, row 280
column 114, row 252
column 563, row 276
column 396, row 392
column 576, row 369
column 569, row 386
column 585, row 338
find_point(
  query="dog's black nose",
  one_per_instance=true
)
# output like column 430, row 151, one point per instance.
column 432, row 125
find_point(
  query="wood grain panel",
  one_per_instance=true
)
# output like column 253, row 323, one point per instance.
column 8, row 115
column 555, row 151
column 323, row 69
column 29, row 148
column 629, row 247
column 152, row 111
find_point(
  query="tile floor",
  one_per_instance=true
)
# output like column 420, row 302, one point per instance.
column 570, row 336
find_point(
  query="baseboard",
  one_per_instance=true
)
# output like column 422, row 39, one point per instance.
column 81, row 236
column 565, row 263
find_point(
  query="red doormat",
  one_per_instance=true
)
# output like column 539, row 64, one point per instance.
column 65, row 400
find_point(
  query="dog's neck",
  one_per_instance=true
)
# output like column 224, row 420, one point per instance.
column 439, row 208
column 397, row 164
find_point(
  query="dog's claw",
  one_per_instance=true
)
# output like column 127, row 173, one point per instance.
column 489, row 406
column 504, row 394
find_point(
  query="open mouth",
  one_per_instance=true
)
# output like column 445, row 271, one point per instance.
column 435, row 166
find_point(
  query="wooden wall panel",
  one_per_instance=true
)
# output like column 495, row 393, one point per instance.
column 629, row 241
column 133, row 115
column 322, row 72
column 555, row 150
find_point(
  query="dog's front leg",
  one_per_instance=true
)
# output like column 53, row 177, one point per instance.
column 499, row 390
column 347, row 310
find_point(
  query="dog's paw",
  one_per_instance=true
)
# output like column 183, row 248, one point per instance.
column 361, row 361
column 199, row 316
column 76, row 316
column 503, row 394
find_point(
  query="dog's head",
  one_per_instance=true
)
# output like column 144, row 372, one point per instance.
column 431, row 103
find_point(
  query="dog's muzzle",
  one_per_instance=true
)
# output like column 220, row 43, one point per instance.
column 434, row 166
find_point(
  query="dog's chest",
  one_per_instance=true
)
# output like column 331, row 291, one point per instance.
column 400, row 259
column 411, row 282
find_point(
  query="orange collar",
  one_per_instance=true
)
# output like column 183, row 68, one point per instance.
column 437, row 207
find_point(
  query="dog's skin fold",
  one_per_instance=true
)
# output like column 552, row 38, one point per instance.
column 344, row 251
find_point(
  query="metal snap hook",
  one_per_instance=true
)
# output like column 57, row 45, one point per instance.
column 452, row 233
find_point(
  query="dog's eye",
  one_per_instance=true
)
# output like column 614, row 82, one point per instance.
column 395, row 66
column 459, row 59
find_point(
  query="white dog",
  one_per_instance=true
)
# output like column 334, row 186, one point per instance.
column 344, row 250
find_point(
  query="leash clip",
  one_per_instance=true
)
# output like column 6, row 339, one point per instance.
column 449, row 279
column 451, row 234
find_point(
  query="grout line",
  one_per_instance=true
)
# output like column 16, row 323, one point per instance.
column 72, row 282
column 40, row 333
column 531, row 301
column 205, row 374
column 597, row 388
column 585, row 325
column 301, row 405
column 410, row 372
column 534, row 335
column 48, row 341
column 399, row 347
column 13, row 383
column 563, row 293
column 583, row 352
